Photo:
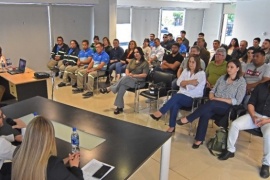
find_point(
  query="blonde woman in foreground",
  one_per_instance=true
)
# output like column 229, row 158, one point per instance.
column 37, row 159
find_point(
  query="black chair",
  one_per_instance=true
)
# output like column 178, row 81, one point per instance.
column 163, row 83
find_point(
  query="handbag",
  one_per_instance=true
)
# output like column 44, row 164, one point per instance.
column 154, row 88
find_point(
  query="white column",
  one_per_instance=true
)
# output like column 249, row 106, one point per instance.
column 105, row 18
column 165, row 160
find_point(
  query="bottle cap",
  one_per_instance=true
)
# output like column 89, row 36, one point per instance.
column 74, row 129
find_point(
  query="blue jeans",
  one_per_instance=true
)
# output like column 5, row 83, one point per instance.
column 120, row 67
column 205, row 112
column 174, row 104
column 111, row 68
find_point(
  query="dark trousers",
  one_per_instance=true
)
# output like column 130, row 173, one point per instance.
column 164, row 70
column 205, row 112
column 5, row 172
column 174, row 104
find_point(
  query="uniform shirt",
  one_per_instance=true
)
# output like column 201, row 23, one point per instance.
column 116, row 53
column 253, row 74
column 72, row 56
column 260, row 99
column 138, row 68
column 190, row 90
column 59, row 51
column 99, row 58
column 213, row 71
column 152, row 43
column 235, row 91
column 6, row 150
column 85, row 54
column 184, row 64
column 182, row 49
column 158, row 52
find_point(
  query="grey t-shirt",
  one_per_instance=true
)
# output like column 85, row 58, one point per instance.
column 184, row 64
column 253, row 74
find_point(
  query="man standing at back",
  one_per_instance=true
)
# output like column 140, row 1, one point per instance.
column 57, row 54
column 152, row 40
column 184, row 39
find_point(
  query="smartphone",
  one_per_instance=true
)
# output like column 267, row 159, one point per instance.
column 102, row 171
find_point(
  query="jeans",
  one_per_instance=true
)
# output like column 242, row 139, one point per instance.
column 174, row 104
column 112, row 67
column 205, row 112
column 120, row 68
column 243, row 123
column 164, row 70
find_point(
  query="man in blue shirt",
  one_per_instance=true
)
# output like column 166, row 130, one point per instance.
column 152, row 40
column 97, row 66
column 183, row 48
column 115, row 56
column 84, row 58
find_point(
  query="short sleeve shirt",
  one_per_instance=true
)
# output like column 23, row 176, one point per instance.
column 85, row 54
column 99, row 58
column 253, row 74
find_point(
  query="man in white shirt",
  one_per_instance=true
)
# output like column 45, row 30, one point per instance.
column 157, row 54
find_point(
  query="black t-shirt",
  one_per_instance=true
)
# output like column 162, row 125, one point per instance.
column 170, row 59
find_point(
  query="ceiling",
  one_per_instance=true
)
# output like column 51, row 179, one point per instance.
column 207, row 1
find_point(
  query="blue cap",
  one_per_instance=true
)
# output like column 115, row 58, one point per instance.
column 74, row 129
column 35, row 113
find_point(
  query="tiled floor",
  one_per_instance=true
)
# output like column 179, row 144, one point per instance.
column 185, row 163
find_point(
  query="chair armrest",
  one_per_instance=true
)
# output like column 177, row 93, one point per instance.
column 236, row 111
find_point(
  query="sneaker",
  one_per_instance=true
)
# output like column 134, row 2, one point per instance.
column 88, row 95
column 61, row 84
column 264, row 173
column 77, row 90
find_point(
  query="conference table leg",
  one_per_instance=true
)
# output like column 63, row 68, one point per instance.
column 165, row 160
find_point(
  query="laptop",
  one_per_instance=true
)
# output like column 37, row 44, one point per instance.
column 20, row 69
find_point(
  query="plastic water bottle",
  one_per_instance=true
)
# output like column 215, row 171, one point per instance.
column 75, row 141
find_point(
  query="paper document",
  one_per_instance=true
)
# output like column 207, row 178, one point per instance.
column 92, row 167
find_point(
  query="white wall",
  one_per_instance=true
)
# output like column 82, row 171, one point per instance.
column 53, row 1
column 24, row 34
column 251, row 20
column 212, row 23
column 193, row 24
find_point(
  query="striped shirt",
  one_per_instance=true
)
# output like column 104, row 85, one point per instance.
column 234, row 91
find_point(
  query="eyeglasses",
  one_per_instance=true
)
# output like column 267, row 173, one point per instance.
column 218, row 54
column 164, row 37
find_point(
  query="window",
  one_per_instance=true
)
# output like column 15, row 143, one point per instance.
column 172, row 22
column 227, row 29
column 123, row 27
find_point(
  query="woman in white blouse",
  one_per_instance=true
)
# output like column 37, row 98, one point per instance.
column 146, row 49
column 191, row 82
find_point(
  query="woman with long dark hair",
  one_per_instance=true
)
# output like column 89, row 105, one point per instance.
column 107, row 45
column 229, row 90
column 136, row 71
column 234, row 44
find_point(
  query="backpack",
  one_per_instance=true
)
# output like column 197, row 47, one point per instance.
column 218, row 143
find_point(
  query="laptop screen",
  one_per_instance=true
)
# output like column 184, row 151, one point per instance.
column 22, row 65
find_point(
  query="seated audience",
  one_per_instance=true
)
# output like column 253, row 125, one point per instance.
column 200, row 35
column 191, row 82
column 183, row 48
column 204, row 54
column 84, row 58
column 125, row 59
column 195, row 50
column 256, row 44
column 57, row 55
column 37, row 156
column 93, row 45
column 70, row 62
column 136, row 71
column 146, row 48
column 107, row 45
column 216, row 45
column 171, row 62
column 241, row 51
column 97, row 66
column 7, row 150
column 184, row 39
column 258, row 116
column 216, row 68
column 266, row 48
column 166, row 43
column 116, row 54
column 234, row 44
column 152, row 40
column 247, row 58
column 170, row 39
column 229, row 90
column 157, row 54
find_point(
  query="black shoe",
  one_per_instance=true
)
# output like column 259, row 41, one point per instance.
column 103, row 90
column 75, row 85
column 61, row 75
column 264, row 173
column 154, row 117
column 171, row 131
column 56, row 73
column 61, row 84
column 226, row 155
column 196, row 146
column 179, row 122
column 77, row 90
column 118, row 110
column 88, row 95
